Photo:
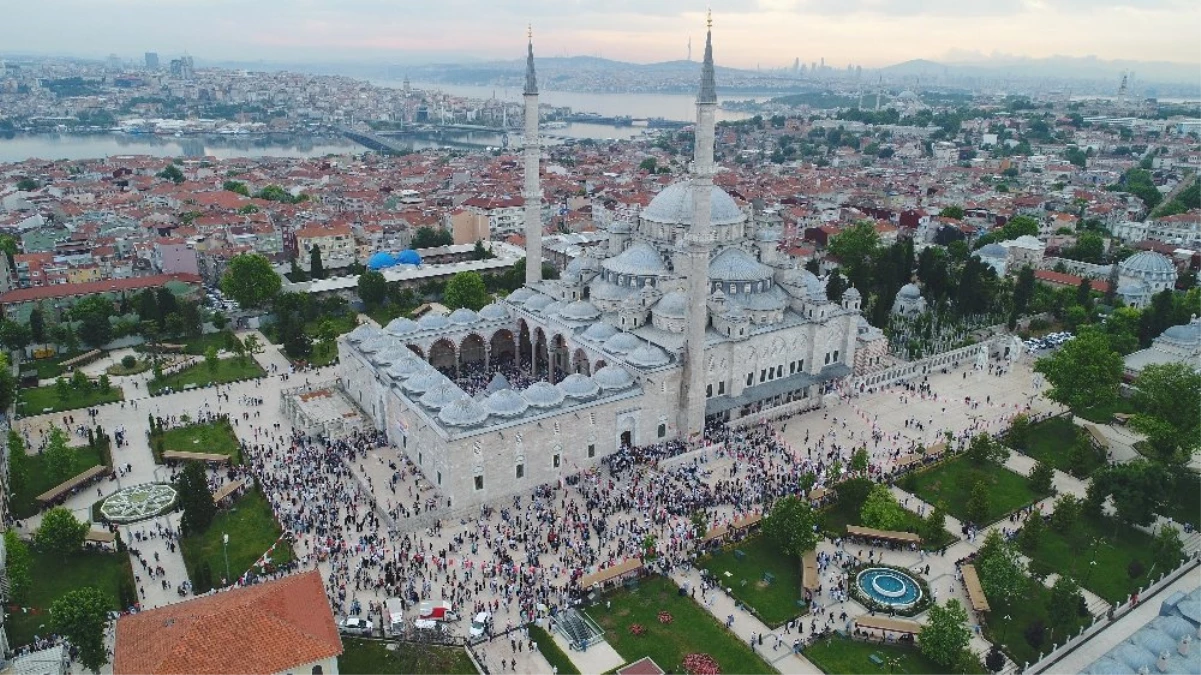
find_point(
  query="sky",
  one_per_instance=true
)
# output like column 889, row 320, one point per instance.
column 747, row 33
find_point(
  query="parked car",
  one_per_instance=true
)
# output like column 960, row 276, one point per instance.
column 355, row 626
column 479, row 625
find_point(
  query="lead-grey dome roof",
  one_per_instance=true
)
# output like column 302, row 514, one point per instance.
column 520, row 295
column 1134, row 656
column 463, row 412
column 464, row 316
column 580, row 310
column 910, row 291
column 580, row 386
column 640, row 259
column 1174, row 626
column 538, row 303
column 613, row 378
column 648, row 356
column 423, row 382
column 674, row 206
column 1147, row 262
column 1189, row 333
column 771, row 300
column 622, row 343
column 603, row 290
column 361, row 333
column 440, row 396
column 1108, row 666
column 993, row 251
column 408, row 367
column 542, row 395
column 493, row 312
column 735, row 264
column 401, row 326
column 389, row 355
column 433, row 322
column 803, row 279
column 505, row 403
column 673, row 305
column 600, row 331
column 375, row 344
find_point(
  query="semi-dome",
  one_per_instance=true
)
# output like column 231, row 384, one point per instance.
column 498, row 382
column 578, row 264
column 1147, row 262
column 648, row 356
column 622, row 343
column 910, row 291
column 401, row 326
column 803, row 280
column 520, row 295
column 613, row 378
column 600, row 331
column 579, row 386
column 408, row 257
column 602, row 290
column 433, row 322
column 440, row 396
column 538, row 303
column 640, row 259
column 580, row 310
column 361, row 333
column 505, row 403
column 1188, row 334
column 408, row 367
column 674, row 206
column 375, row 344
column 419, row 384
column 673, row 305
column 772, row 300
column 463, row 412
column 494, row 312
column 553, row 308
column 735, row 264
column 542, row 395
column 463, row 316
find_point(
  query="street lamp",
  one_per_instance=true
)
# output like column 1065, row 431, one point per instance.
column 1005, row 630
column 225, row 550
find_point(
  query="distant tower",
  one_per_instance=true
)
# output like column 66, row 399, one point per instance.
column 689, row 48
column 532, row 192
column 796, row 65
column 1122, row 91
column 151, row 60
column 408, row 89
column 699, row 242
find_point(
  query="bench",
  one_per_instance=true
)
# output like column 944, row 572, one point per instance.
column 875, row 658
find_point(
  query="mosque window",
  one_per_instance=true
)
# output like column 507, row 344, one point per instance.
column 721, row 388
column 591, row 450
column 750, row 379
column 792, row 368
column 763, row 375
column 662, row 430
column 520, row 472
column 836, row 353
column 479, row 481
column 556, row 460
column 419, row 459
column 708, row 391
column 557, row 431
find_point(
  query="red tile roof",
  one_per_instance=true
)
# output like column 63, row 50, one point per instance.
column 92, row 287
column 267, row 628
column 1062, row 279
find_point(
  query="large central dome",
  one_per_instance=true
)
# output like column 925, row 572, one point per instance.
column 674, row 206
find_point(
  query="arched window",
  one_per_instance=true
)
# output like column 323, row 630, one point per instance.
column 662, row 430
column 317, row 670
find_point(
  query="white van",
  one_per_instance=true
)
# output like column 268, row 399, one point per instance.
column 394, row 620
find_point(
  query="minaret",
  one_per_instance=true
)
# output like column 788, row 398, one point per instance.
column 699, row 242
column 532, row 192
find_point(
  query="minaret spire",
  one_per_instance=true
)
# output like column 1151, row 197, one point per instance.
column 532, row 188
column 708, row 92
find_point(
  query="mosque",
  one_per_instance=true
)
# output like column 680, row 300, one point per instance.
column 689, row 314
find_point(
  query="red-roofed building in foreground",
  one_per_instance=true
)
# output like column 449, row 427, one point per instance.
column 281, row 626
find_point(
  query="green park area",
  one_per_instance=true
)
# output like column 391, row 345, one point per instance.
column 551, row 651
column 215, row 437
column 760, row 576
column 1103, row 413
column 1184, row 500
column 41, row 475
column 843, row 656
column 1059, row 443
column 53, row 398
column 952, row 483
column 633, row 628
column 847, row 509
column 379, row 657
column 1026, row 624
column 53, row 574
column 50, row 368
column 252, row 529
column 203, row 374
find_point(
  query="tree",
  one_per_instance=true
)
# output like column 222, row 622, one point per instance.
column 236, row 186
column 648, row 165
column 1139, row 490
column 250, row 280
column 14, row 335
column 60, row 532
column 18, row 462
column 27, row 185
column 211, row 360
column 859, row 461
column 253, row 345
column 37, row 325
column 1019, row 226
column 372, row 288
column 835, row 287
column 978, row 503
column 327, row 335
column 1167, row 547
column 935, row 524
column 18, row 564
column 1065, row 603
column 82, row 616
column 881, row 510
column 1032, row 533
column 195, row 499
column 104, row 384
column 945, row 635
column 316, row 267
column 58, row 459
column 1002, row 574
column 1168, row 398
column 93, row 313
column 1066, row 513
column 1019, row 431
column 172, row 173
column 984, row 450
column 1041, row 477
column 995, row 660
column 428, row 237
column 790, row 524
column 955, row 212
column 1084, row 373
column 62, row 389
column 466, row 289
column 854, row 248
column 1089, row 247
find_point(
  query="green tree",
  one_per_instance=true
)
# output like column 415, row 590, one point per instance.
column 211, row 360
column 58, row 459
column 250, row 280
column 1041, row 477
column 859, row 461
column 104, row 384
column 1167, row 547
column 790, row 524
column 1089, row 247
column 955, row 212
column 934, row 527
column 171, row 173
column 93, row 313
column 854, row 248
column 327, row 335
column 466, row 289
column 62, row 389
column 1019, row 432
column 1139, row 490
column 1084, row 373
column 648, row 165
column 984, row 450
column 253, row 345
column 195, row 499
column 37, row 325
column 1066, row 599
column 881, row 510
column 60, row 533
column 316, row 267
column 18, row 566
column 1066, row 513
column 945, row 635
column 18, row 462
column 82, row 616
column 236, row 186
column 995, row 660
column 28, row 185
column 372, row 288
column 1019, row 226
column 1168, row 399
column 428, row 237
column 978, row 504
column 79, row 381
column 835, row 286
column 1032, row 533
column 1002, row 574
column 13, row 335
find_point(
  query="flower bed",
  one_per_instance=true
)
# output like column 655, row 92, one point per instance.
column 138, row 502
column 665, row 617
column 700, row 664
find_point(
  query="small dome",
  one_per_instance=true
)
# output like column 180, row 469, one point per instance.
column 440, row 396
column 910, row 291
column 852, row 293
column 619, row 227
column 497, row 383
column 376, row 344
column 803, row 280
column 771, row 300
column 578, row 264
column 520, row 295
column 389, row 355
column 1173, row 625
column 600, row 331
column 1187, row 334
column 580, row 310
column 673, row 305
column 735, row 264
column 553, row 308
column 1154, row 641
column 424, row 382
column 1147, row 262
column 408, row 367
column 505, row 403
column 992, row 251
column 622, row 343
column 1107, row 666
column 494, row 312
column 602, row 290
column 538, row 303
column 463, row 413
column 401, row 326
column 1028, row 241
column 433, row 322
column 673, row 206
column 579, row 386
column 542, row 395
column 361, row 333
column 640, row 259
column 648, row 356
column 408, row 257
column 463, row 317
column 1134, row 656
column 613, row 378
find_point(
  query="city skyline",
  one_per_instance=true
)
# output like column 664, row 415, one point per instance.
column 767, row 33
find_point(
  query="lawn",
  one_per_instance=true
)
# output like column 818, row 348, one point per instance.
column 24, row 502
column 1184, row 502
column 1025, row 608
column 775, row 603
column 196, row 346
column 843, row 656
column 549, row 649
column 50, row 368
column 54, row 575
column 950, row 483
column 211, row 437
column 1103, row 414
column 119, row 370
column 692, row 629
column 1051, row 441
column 320, row 356
column 228, row 370
column 38, row 400
column 833, row 520
column 361, row 657
column 1113, row 545
column 252, row 530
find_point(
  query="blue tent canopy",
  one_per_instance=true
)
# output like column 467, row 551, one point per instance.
column 380, row 260
column 408, row 257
